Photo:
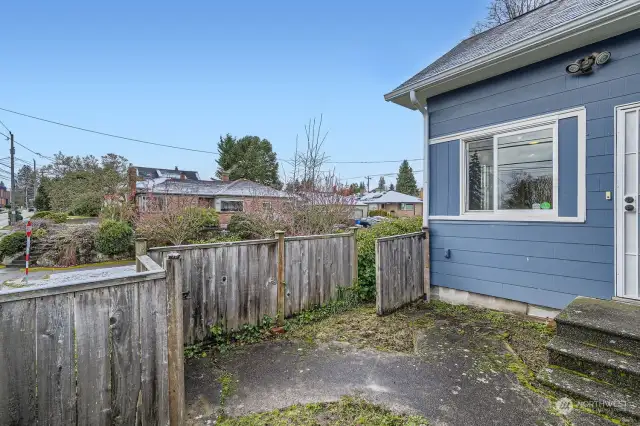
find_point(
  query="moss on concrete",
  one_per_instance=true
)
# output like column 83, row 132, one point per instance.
column 349, row 411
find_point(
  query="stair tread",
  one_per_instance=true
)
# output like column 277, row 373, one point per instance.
column 628, row 364
column 583, row 387
column 605, row 315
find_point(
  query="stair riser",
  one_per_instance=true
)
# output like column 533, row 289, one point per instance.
column 624, row 412
column 599, row 339
column 595, row 370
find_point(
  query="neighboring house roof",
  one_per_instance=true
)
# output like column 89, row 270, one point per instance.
column 154, row 173
column 552, row 29
column 208, row 188
column 389, row 197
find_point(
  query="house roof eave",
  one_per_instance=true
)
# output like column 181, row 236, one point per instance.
column 617, row 19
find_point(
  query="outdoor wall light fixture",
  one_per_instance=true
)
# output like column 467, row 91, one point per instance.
column 585, row 65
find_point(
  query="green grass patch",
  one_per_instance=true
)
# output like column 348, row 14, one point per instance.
column 348, row 411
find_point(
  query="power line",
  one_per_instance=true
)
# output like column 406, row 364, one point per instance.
column 371, row 162
column 381, row 174
column 34, row 152
column 107, row 134
column 162, row 144
column 4, row 125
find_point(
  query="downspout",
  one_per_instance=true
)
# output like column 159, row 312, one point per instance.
column 425, row 166
column 425, row 198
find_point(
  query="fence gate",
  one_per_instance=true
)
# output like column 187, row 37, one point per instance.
column 401, row 276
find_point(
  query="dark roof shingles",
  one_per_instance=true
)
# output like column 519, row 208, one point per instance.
column 530, row 24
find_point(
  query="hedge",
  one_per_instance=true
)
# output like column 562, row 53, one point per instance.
column 57, row 217
column 366, row 240
column 13, row 243
column 114, row 237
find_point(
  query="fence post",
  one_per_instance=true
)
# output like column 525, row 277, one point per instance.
column 175, row 340
column 281, row 283
column 141, row 250
column 427, row 265
column 354, row 257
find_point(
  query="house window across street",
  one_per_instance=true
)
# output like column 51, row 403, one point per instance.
column 231, row 206
column 405, row 206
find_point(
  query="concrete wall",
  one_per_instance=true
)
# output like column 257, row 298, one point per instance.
column 545, row 264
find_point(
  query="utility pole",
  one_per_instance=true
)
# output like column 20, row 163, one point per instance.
column 35, row 183
column 12, row 211
column 368, row 179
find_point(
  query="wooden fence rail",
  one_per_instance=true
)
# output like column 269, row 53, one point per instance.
column 92, row 352
column 228, row 285
column 400, row 270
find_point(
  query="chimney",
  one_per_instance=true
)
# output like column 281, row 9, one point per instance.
column 132, row 177
column 183, row 176
column 225, row 176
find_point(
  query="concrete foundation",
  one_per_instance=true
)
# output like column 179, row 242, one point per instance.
column 461, row 297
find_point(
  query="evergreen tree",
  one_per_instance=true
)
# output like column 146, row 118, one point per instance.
column 362, row 189
column 249, row 158
column 391, row 187
column 475, row 183
column 42, row 197
column 382, row 185
column 406, row 182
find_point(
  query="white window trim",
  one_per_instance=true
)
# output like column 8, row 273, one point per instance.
column 515, row 127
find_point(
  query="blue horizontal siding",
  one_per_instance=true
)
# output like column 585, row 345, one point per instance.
column 537, row 262
column 568, row 173
column 444, row 178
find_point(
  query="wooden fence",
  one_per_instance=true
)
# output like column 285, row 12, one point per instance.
column 315, row 267
column 97, row 352
column 226, row 284
column 232, row 284
column 400, row 270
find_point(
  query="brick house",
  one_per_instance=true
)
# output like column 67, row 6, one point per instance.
column 4, row 195
column 394, row 203
column 155, row 188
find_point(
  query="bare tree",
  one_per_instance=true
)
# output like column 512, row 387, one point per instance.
column 501, row 11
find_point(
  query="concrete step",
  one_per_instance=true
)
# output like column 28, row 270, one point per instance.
column 603, row 323
column 596, row 396
column 614, row 368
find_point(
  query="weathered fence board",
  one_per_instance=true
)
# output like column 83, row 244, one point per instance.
column 17, row 361
column 91, row 352
column 399, row 271
column 56, row 360
column 315, row 267
column 153, row 351
column 229, row 285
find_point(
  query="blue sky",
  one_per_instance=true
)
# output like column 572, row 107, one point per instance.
column 183, row 73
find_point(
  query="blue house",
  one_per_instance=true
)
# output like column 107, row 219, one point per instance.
column 531, row 135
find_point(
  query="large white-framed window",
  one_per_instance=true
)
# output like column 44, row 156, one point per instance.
column 512, row 172
column 509, row 172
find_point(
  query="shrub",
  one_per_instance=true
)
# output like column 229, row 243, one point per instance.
column 57, row 217
column 176, row 224
column 378, row 212
column 39, row 233
column 42, row 214
column 366, row 240
column 114, row 237
column 13, row 243
column 246, row 226
column 87, row 205
column 221, row 238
